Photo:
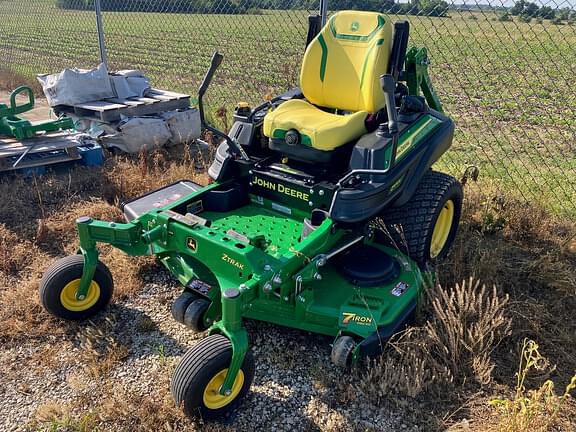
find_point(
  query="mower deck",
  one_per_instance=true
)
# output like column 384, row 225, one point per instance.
column 281, row 233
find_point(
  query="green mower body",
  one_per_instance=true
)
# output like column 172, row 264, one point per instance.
column 331, row 242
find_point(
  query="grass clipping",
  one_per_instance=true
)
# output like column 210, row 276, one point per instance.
column 453, row 346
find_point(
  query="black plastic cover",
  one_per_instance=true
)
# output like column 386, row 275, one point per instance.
column 367, row 266
column 366, row 200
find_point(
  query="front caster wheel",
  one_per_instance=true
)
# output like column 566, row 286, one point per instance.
column 181, row 304
column 200, row 374
column 194, row 315
column 342, row 350
column 59, row 285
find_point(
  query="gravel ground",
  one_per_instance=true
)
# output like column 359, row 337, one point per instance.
column 70, row 378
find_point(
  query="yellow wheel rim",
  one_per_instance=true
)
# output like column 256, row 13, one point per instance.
column 212, row 397
column 68, row 296
column 442, row 229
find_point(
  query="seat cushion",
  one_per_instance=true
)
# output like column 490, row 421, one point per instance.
column 318, row 129
column 342, row 65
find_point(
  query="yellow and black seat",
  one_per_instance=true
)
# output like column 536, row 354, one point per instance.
column 340, row 83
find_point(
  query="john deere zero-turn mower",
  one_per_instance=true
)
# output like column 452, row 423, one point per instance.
column 288, row 231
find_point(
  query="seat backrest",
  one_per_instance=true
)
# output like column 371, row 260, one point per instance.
column 343, row 63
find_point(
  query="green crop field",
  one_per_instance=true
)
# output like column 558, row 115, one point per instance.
column 508, row 85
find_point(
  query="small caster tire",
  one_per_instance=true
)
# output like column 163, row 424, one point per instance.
column 194, row 315
column 60, row 282
column 181, row 304
column 342, row 349
column 199, row 375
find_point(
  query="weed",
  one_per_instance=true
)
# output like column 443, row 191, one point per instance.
column 453, row 347
column 101, row 352
column 469, row 322
column 160, row 350
column 56, row 417
column 531, row 410
column 146, row 325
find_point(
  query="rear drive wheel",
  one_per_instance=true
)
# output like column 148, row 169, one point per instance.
column 61, row 281
column 425, row 227
column 200, row 374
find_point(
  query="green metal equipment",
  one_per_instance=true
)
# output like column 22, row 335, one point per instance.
column 14, row 126
column 331, row 233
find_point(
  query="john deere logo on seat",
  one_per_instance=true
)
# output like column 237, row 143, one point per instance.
column 354, row 26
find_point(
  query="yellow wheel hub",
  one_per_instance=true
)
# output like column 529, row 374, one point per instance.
column 68, row 296
column 442, row 229
column 212, row 397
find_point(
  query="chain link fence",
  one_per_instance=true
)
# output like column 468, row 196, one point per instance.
column 504, row 71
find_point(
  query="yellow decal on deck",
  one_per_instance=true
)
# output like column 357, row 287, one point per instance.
column 279, row 187
column 358, row 319
column 232, row 261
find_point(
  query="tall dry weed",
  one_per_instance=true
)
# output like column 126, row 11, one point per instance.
column 469, row 322
column 453, row 347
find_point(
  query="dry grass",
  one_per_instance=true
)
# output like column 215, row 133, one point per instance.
column 451, row 348
column 535, row 410
column 9, row 80
column 37, row 226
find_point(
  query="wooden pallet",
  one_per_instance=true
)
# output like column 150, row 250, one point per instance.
column 111, row 110
column 40, row 151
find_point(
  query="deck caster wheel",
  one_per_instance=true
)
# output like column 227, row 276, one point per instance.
column 194, row 315
column 181, row 304
column 199, row 375
column 342, row 350
column 60, row 282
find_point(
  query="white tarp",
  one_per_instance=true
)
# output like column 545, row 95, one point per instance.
column 184, row 125
column 75, row 86
column 137, row 134
column 130, row 83
column 134, row 134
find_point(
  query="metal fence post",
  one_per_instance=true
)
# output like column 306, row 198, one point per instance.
column 323, row 11
column 100, row 28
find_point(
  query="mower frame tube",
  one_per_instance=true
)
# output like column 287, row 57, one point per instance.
column 127, row 237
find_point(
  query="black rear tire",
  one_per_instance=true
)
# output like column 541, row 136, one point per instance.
column 410, row 227
column 196, row 371
column 58, row 285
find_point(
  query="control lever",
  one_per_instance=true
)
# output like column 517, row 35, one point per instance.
column 390, row 129
column 233, row 147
